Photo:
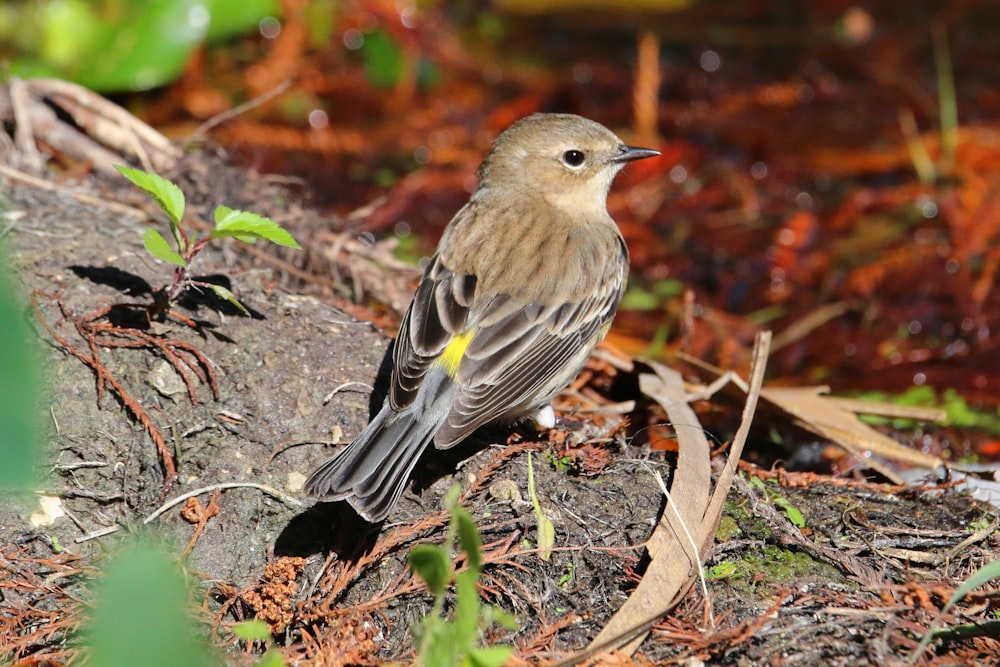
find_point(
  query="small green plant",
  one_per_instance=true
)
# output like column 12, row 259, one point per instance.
column 20, row 386
column 141, row 613
column 722, row 570
column 243, row 226
column 256, row 630
column 793, row 513
column 560, row 463
column 566, row 578
column 985, row 574
column 444, row 643
column 546, row 531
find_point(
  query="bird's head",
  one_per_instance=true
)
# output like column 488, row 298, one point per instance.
column 568, row 159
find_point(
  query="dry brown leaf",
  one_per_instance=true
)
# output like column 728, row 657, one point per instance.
column 836, row 419
column 684, row 533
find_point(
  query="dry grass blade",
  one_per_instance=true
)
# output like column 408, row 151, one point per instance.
column 693, row 516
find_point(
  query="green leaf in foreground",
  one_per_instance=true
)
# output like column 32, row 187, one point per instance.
column 488, row 656
column 140, row 614
column 443, row 643
column 252, row 630
column 465, row 628
column 20, row 387
column 430, row 562
column 249, row 226
column 468, row 537
column 158, row 247
column 167, row 195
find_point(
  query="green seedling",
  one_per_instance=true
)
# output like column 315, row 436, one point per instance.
column 256, row 630
column 791, row 511
column 450, row 643
column 546, row 531
column 984, row 575
column 240, row 225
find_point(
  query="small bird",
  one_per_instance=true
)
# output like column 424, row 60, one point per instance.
column 524, row 283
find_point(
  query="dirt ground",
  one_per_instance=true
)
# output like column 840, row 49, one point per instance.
column 858, row 584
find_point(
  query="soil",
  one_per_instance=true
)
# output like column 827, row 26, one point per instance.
column 848, row 587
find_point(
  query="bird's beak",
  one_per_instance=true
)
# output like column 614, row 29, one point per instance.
column 632, row 153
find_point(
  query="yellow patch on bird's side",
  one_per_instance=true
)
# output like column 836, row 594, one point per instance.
column 452, row 355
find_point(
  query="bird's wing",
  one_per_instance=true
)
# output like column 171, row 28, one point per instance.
column 520, row 356
column 438, row 312
column 504, row 356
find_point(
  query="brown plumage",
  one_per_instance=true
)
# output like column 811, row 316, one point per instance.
column 524, row 284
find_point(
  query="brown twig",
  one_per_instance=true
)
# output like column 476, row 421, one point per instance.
column 194, row 511
column 104, row 377
column 95, row 329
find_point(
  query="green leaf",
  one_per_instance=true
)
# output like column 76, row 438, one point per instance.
column 224, row 293
column 383, row 59
column 224, row 214
column 108, row 45
column 439, row 648
column 158, row 247
column 231, row 18
column 430, row 562
column 67, row 30
column 30, row 68
column 722, row 570
column 468, row 537
column 20, row 387
column 167, row 195
column 450, row 500
column 141, row 45
column 636, row 298
column 140, row 614
column 983, row 575
column 246, row 226
column 253, row 630
column 466, row 608
column 793, row 513
column 490, row 656
column 546, row 536
column 271, row 659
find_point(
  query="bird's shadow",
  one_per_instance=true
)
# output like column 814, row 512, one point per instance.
column 327, row 528
column 336, row 527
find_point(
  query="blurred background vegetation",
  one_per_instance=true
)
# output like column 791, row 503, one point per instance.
column 829, row 167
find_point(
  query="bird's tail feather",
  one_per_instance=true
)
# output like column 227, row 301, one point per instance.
column 372, row 472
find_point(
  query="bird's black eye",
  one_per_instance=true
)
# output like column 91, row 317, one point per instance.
column 573, row 158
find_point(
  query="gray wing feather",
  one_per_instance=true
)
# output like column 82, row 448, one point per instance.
column 515, row 365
